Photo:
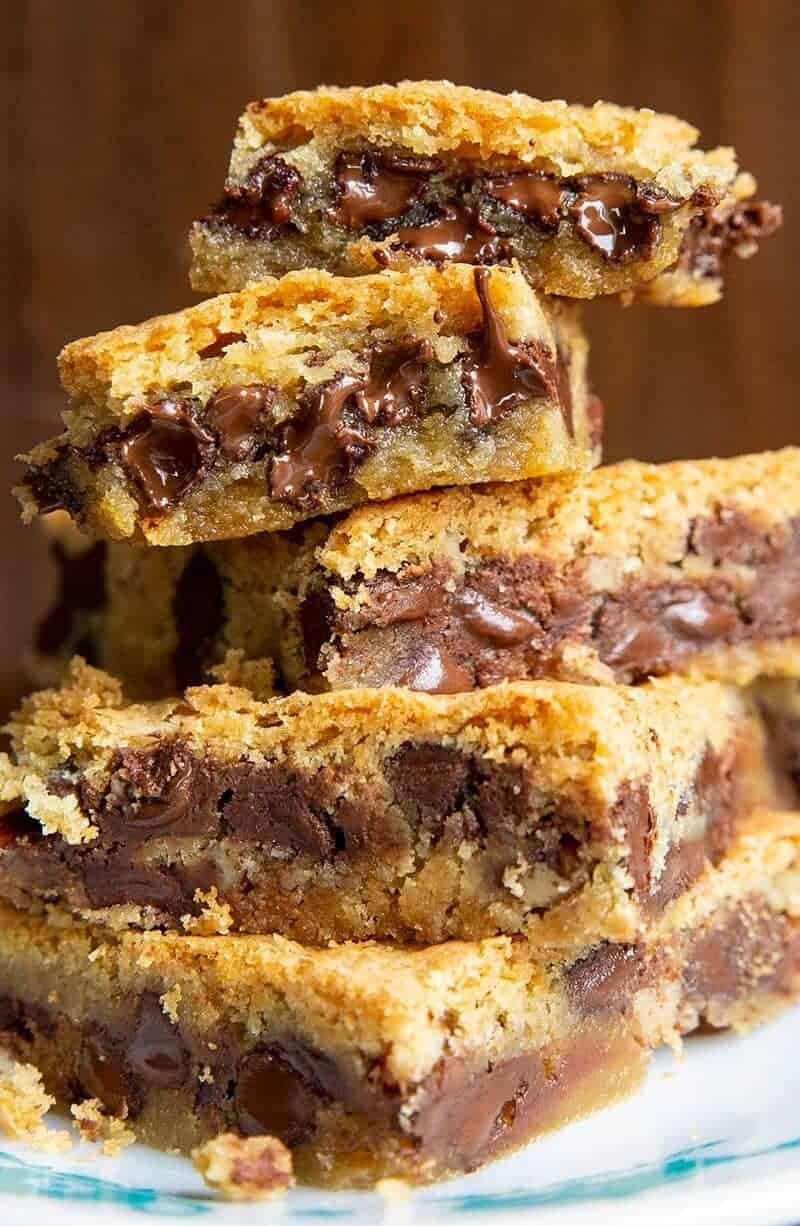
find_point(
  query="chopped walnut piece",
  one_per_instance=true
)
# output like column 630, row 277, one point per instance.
column 245, row 1168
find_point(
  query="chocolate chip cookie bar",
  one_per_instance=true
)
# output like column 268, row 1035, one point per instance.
column 539, row 807
column 630, row 571
column 257, row 410
column 590, row 200
column 370, row 1061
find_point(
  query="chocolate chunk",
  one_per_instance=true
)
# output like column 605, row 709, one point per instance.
column 609, row 217
column 605, row 979
column 645, row 632
column 113, row 880
column 103, row 1073
column 453, row 233
column 198, row 610
column 634, row 813
column 483, row 617
column 537, row 195
column 237, row 415
column 264, row 200
column 714, row 234
column 428, row 780
column 502, row 375
column 466, row 1118
column 732, row 536
column 157, row 1053
column 683, row 864
column 733, row 958
column 319, row 450
column 280, row 807
column 371, row 187
column 275, row 1098
column 218, row 346
column 396, row 385
column 165, row 451
column 395, row 598
column 158, row 792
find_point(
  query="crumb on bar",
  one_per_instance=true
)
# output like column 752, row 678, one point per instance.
column 96, row 1126
column 24, row 1103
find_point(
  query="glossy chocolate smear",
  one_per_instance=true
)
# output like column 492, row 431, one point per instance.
column 219, row 345
column 157, row 1053
column 494, row 622
column 501, row 375
column 274, row 1098
column 165, row 451
column 264, row 198
column 198, row 610
column 372, row 187
column 237, row 414
column 455, row 233
column 319, row 449
column 609, row 217
column 537, row 195
column 396, row 385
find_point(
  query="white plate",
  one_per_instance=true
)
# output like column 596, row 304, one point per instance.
column 714, row 1138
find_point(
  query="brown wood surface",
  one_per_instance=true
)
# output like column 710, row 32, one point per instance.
column 119, row 119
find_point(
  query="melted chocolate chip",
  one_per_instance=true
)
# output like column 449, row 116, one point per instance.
column 491, row 621
column 372, row 188
column 537, row 195
column 104, row 1074
column 319, row 450
column 609, row 217
column 218, row 346
column 396, row 385
column 643, row 633
column 157, row 1053
column 198, row 611
column 237, row 414
column 113, row 880
column 264, row 199
column 436, row 671
column 274, row 1098
column 151, row 793
column 604, row 980
column 502, row 375
column 454, row 233
column 165, row 451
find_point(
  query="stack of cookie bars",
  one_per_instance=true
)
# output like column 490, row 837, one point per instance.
column 403, row 821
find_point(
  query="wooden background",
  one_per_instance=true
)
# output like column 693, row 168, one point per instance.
column 120, row 114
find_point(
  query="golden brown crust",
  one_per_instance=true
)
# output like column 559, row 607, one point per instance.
column 430, row 117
